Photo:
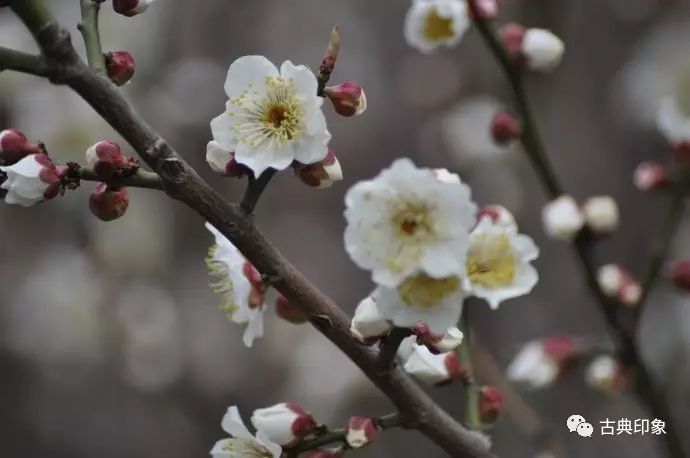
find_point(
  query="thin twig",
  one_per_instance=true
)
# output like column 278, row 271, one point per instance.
column 470, row 388
column 92, row 37
column 24, row 63
column 142, row 179
column 255, row 187
column 390, row 345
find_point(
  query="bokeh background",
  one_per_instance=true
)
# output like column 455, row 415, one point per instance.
column 111, row 343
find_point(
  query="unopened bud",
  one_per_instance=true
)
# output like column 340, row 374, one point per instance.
column 131, row 7
column 650, row 175
column 321, row 174
column 679, row 273
column 108, row 204
column 542, row 50
column 368, row 325
column 606, row 374
column 223, row 161
column 562, row 218
column 430, row 368
column 504, row 128
column 499, row 215
column 618, row 284
column 14, row 146
column 288, row 311
column 348, row 98
column 284, row 423
column 120, row 67
column 106, row 160
column 438, row 343
column 484, row 9
column 601, row 214
column 490, row 404
column 512, row 35
column 361, row 431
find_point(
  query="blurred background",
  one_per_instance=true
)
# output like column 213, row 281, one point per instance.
column 111, row 343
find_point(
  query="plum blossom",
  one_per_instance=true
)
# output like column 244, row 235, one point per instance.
column 283, row 423
column 31, row 180
column 430, row 24
column 273, row 117
column 498, row 263
column 540, row 362
column 368, row 325
column 239, row 285
column 427, row 367
column 243, row 444
column 562, row 218
column 406, row 221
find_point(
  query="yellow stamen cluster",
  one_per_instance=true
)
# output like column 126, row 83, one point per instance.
column 424, row 292
column 223, row 285
column 413, row 221
column 491, row 261
column 436, row 27
column 248, row 447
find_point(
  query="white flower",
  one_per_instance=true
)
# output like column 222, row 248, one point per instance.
column 406, row 221
column 31, row 180
column 542, row 49
column 283, row 423
column 604, row 373
column 368, row 325
column 533, row 366
column 611, row 278
column 433, row 23
column 242, row 444
column 562, row 218
column 601, row 214
column 445, row 176
column 498, row 263
column 673, row 121
column 242, row 298
column 427, row 367
column 420, row 298
column 273, row 117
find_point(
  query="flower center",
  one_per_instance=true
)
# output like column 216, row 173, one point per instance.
column 436, row 27
column 223, row 284
column 491, row 261
column 424, row 292
column 412, row 221
column 276, row 115
column 247, row 447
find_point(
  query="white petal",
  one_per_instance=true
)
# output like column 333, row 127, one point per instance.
column 219, row 451
column 426, row 367
column 305, row 82
column 261, row 158
column 233, row 425
column 275, row 449
column 221, row 130
column 249, row 73
column 313, row 146
column 255, row 328
column 217, row 157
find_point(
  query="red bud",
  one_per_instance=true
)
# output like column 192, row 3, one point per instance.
column 108, row 204
column 120, row 67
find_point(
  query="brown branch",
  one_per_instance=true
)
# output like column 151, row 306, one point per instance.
column 255, row 187
column 390, row 345
column 181, row 182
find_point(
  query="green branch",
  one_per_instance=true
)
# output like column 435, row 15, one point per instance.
column 24, row 63
column 92, row 37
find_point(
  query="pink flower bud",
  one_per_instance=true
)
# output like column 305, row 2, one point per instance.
column 348, row 98
column 504, row 128
column 618, row 284
column 561, row 348
column 321, row 174
column 284, row 423
column 323, row 453
column 484, row 9
column 288, row 311
column 120, row 67
column 361, row 431
column 499, row 215
column 679, row 273
column 107, row 161
column 14, row 146
column 650, row 175
column 223, row 161
column 32, row 180
column 108, row 204
column 438, row 343
column 131, row 7
column 512, row 36
column 538, row 49
column 490, row 404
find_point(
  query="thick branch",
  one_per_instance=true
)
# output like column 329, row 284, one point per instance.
column 181, row 182
column 92, row 37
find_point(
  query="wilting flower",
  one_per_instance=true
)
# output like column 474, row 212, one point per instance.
column 562, row 218
column 540, row 362
column 320, row 174
column 239, row 285
column 427, row 367
column 368, row 325
column 131, row 7
column 361, row 431
column 406, row 221
column 421, row 298
column 223, row 162
column 283, row 423
column 601, row 214
column 273, row 117
column 433, row 23
column 242, row 444
column 498, row 263
column 31, row 180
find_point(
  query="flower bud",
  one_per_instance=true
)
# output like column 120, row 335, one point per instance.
column 131, row 7
column 120, row 67
column 512, row 35
column 288, row 311
column 484, row 9
column 433, row 369
column 679, row 273
column 618, row 284
column 490, row 404
column 361, row 431
column 108, row 204
column 649, row 176
column 499, row 215
column 368, row 325
column 106, row 160
column 284, row 423
column 31, row 180
column 504, row 128
column 562, row 218
column 14, row 146
column 348, row 98
column 331, row 55
column 539, row 363
column 605, row 374
column 321, row 174
column 438, row 343
column 543, row 51
column 601, row 214
column 223, row 161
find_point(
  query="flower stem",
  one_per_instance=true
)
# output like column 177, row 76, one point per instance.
column 390, row 345
column 255, row 187
column 470, row 388
column 92, row 37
